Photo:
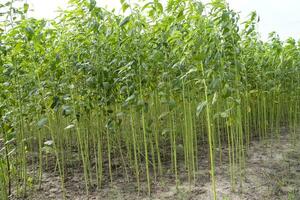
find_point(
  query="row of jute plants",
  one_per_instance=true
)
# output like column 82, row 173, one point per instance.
column 142, row 93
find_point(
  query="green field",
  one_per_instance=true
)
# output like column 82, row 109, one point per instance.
column 156, row 95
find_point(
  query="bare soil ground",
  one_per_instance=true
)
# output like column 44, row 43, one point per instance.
column 272, row 172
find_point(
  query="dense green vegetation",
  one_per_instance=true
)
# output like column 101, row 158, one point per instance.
column 151, row 88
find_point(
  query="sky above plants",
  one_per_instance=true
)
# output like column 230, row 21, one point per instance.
column 276, row 15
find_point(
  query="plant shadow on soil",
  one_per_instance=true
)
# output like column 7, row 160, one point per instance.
column 272, row 172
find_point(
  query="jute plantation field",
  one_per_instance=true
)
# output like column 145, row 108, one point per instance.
column 175, row 101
